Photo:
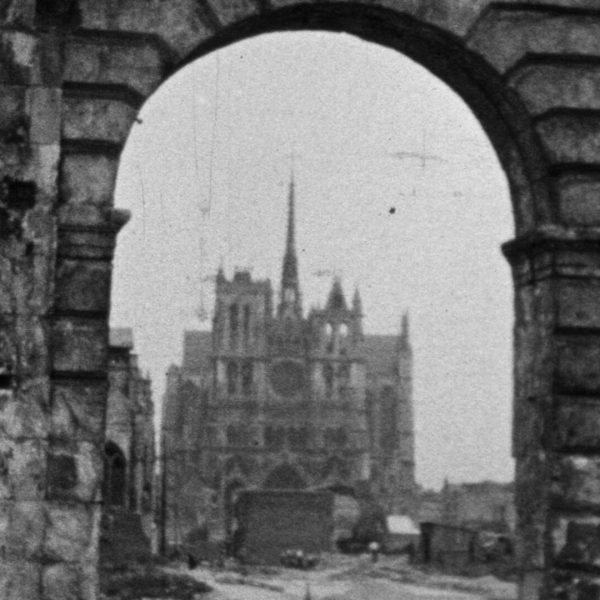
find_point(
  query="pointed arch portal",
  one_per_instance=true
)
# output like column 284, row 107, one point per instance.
column 74, row 75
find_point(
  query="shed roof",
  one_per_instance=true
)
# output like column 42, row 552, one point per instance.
column 401, row 524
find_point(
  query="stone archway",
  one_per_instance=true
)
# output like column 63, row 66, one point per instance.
column 74, row 74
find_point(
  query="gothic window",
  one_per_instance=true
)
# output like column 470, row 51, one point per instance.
column 232, row 376
column 344, row 374
column 232, row 437
column 247, row 377
column 329, row 336
column 343, row 336
column 328, row 377
column 233, row 322
column 246, row 325
column 115, row 466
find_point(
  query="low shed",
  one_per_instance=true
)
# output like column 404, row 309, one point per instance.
column 272, row 521
column 401, row 535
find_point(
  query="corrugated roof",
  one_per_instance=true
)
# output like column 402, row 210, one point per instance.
column 197, row 346
column 121, row 337
column 380, row 353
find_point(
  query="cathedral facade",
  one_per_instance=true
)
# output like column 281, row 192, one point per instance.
column 274, row 398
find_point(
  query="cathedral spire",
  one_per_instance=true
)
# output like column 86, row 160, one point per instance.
column 290, row 288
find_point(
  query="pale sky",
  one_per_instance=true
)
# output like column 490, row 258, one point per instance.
column 206, row 173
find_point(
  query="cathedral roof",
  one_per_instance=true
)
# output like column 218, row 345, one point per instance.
column 197, row 346
column 380, row 353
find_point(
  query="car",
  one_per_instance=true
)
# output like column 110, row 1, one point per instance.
column 298, row 559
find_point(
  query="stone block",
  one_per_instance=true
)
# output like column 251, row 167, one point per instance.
column 44, row 108
column 576, row 482
column 17, row 13
column 22, row 469
column 94, row 14
column 230, row 11
column 78, row 410
column 503, row 35
column 75, row 472
column 578, row 360
column 96, row 119
column 576, row 263
column 137, row 66
column 23, row 415
column 575, row 541
column 571, row 137
column 14, row 120
column 88, row 178
column 575, row 586
column 19, row 580
column 22, row 529
column 578, row 199
column 64, row 581
column 72, row 532
column 546, row 86
column 577, row 424
column 578, row 304
column 180, row 23
column 83, row 285
column 18, row 56
column 80, row 345
column 531, row 506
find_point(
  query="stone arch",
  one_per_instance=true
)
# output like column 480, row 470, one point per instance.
column 284, row 477
column 75, row 74
column 114, row 484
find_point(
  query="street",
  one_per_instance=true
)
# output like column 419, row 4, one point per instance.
column 350, row 578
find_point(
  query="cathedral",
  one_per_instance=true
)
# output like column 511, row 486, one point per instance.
column 276, row 398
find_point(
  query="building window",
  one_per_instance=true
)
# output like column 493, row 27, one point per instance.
column 246, row 325
column 328, row 377
column 247, row 377
column 344, row 374
column 329, row 338
column 233, row 322
column 232, row 376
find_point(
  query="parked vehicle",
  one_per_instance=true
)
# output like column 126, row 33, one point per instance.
column 298, row 559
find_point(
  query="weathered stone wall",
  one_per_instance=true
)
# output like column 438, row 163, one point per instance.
column 74, row 73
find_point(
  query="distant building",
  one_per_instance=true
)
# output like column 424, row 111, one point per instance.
column 273, row 399
column 482, row 505
column 429, row 506
column 129, row 451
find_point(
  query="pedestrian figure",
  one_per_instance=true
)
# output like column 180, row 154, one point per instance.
column 374, row 551
column 192, row 562
column 307, row 595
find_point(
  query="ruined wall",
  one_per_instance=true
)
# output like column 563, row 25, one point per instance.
column 73, row 75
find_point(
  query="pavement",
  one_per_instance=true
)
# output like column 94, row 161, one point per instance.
column 340, row 577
